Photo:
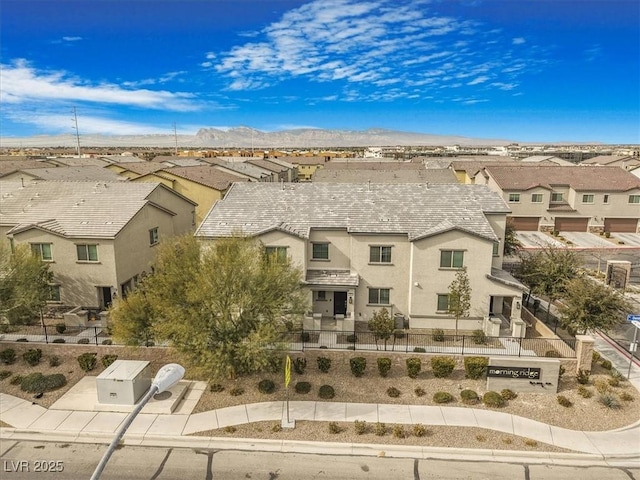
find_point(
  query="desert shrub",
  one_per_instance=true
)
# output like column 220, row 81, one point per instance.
column 216, row 388
column 87, row 361
column 323, row 347
column 469, row 397
column 326, row 392
column 606, row 364
column 236, row 391
column 602, row 386
column 324, row 364
column 610, row 401
column 627, row 397
column 584, row 392
column 32, row 356
column 83, row 341
column 61, row 328
column 229, row 429
column 303, row 387
column 399, row 431
column 108, row 360
column 360, row 427
column 107, row 341
column 419, row 350
column 305, row 337
column 384, row 365
column 352, row 338
column 442, row 397
column 16, row 380
column 299, row 365
column 22, row 339
column 614, row 382
column 561, row 371
column 443, row 366
column 54, row 361
column 481, row 438
column 58, row 340
column 475, row 367
column 419, row 391
column 5, row 374
column 617, row 375
column 334, row 428
column 507, row 440
column 37, row 382
column 419, row 430
column 414, row 365
column 358, row 365
column 380, row 429
column 438, row 335
column 530, row 443
column 595, row 357
column 493, row 399
column 393, row 392
column 564, row 401
column 508, row 394
column 479, row 337
column 552, row 354
column 8, row 356
column 583, row 377
column 266, row 386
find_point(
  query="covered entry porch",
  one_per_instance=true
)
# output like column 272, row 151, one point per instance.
column 505, row 306
column 332, row 296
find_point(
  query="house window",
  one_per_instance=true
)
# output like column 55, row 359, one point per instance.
column 320, row 251
column 54, row 293
column 587, row 198
column 380, row 254
column 496, row 249
column 634, row 198
column 322, row 295
column 379, row 296
column 153, row 236
column 451, row 258
column 443, row 303
column 43, row 251
column 87, row 253
column 277, row 253
column 536, row 198
column 605, row 199
column 556, row 197
column 514, row 197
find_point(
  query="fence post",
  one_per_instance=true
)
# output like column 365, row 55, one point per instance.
column 355, row 339
column 46, row 337
column 519, row 346
column 406, row 343
column 463, row 337
column 95, row 334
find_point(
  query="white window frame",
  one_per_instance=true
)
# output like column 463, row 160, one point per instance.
column 381, row 254
column 514, row 198
column 448, row 297
column 634, row 199
column 378, row 299
column 537, row 195
column 154, row 236
column 452, row 265
column 555, row 194
column 313, row 251
column 87, row 251
column 587, row 196
column 37, row 249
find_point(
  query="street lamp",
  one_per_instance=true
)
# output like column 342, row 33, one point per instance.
column 166, row 378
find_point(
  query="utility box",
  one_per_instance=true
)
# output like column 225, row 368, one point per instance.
column 124, row 382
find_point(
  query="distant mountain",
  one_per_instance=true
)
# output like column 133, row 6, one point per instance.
column 248, row 137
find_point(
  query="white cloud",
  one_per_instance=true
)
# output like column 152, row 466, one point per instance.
column 71, row 39
column 518, row 41
column 478, row 80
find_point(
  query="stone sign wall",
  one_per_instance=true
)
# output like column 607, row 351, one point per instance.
column 527, row 375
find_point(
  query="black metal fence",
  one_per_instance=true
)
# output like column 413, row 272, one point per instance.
column 54, row 334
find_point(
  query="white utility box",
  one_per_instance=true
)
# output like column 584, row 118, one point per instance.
column 124, row 382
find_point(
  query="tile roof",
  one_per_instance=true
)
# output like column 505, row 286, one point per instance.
column 580, row 178
column 267, row 165
column 88, row 173
column 368, row 165
column 342, row 278
column 416, row 210
column 142, row 168
column 73, row 209
column 10, row 166
column 207, row 175
column 606, row 159
column 242, row 168
column 305, row 160
column 434, row 175
column 79, row 162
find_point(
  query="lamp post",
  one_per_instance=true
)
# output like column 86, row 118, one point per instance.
column 166, row 378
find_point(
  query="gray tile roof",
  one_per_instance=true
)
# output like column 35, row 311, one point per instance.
column 358, row 164
column 416, row 210
column 439, row 175
column 88, row 173
column 342, row 278
column 73, row 209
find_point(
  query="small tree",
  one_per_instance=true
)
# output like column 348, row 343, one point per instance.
column 460, row 296
column 382, row 326
column 511, row 242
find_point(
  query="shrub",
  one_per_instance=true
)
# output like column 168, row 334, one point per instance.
column 5, row 374
column 595, row 357
column 384, row 365
column 399, row 432
column 22, row 340
column 617, row 375
column 266, row 386
column 299, row 365
column 360, row 427
column 481, row 438
column 334, row 427
column 564, row 401
column 606, row 364
column 614, row 382
column 216, row 388
column 469, row 397
column 583, row 377
column 419, row 391
column 236, row 391
column 61, row 328
column 351, row 338
column 438, row 335
column 37, row 382
column 610, row 401
column 87, row 361
column 475, row 367
column 303, row 387
column 108, row 360
column 530, row 443
column 8, row 356
column 393, row 392
column 83, row 341
column 602, row 386
column 358, row 366
column 552, row 354
column 107, row 341
column 627, row 397
column 276, row 428
column 493, row 399
column 442, row 397
column 54, row 361
column 380, row 429
column 443, row 366
column 326, row 392
column 508, row 394
column 305, row 337
column 414, row 365
column 229, row 429
column 58, row 340
column 479, row 337
column 419, row 350
column 584, row 392
column 561, row 371
column 324, row 364
column 32, row 356
column 16, row 380
column 419, row 430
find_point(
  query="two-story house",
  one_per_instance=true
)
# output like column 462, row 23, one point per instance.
column 363, row 247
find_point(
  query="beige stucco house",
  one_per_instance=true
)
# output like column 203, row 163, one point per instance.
column 363, row 247
column 99, row 238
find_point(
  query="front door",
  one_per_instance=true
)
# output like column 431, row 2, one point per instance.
column 339, row 303
column 105, row 297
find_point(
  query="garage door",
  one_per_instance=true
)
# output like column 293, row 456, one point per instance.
column 623, row 225
column 528, row 224
column 568, row 224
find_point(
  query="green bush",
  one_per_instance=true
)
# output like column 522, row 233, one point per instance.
column 419, row 350
column 83, row 341
column 606, row 364
column 584, row 392
column 610, row 401
column 22, row 339
column 508, row 394
column 442, row 397
column 334, row 428
column 627, row 397
column 61, row 328
column 216, row 388
column 614, row 382
column 236, row 391
column 475, row 367
column 443, row 366
column 299, row 365
column 419, row 430
column 326, row 392
column 479, row 337
column 303, row 387
column 360, row 427
column 58, row 340
column 380, row 429
column 552, row 354
column 108, row 360
column 564, row 401
column 324, row 364
column 493, row 399
column 8, row 356
column 561, row 371
column 393, row 392
column 595, row 357
column 469, row 397
column 358, row 366
column 266, row 386
column 32, row 356
column 107, row 341
column 87, row 361
column 305, row 337
column 16, row 380
column 583, row 377
column 414, row 365
column 438, row 335
column 352, row 338
column 5, row 374
column 37, row 382
column 54, row 361
column 384, row 365
column 399, row 431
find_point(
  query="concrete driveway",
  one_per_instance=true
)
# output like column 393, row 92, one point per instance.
column 587, row 240
column 631, row 239
column 537, row 240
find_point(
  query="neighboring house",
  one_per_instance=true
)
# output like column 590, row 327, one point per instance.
column 78, row 161
column 10, row 166
column 90, row 173
column 244, row 170
column 441, row 175
column 577, row 199
column 635, row 171
column 176, row 161
column 134, row 170
column 467, row 170
column 546, row 159
column 306, row 166
column 624, row 161
column 285, row 173
column 99, row 238
column 362, row 247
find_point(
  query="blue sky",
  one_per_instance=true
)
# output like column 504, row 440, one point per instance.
column 522, row 70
